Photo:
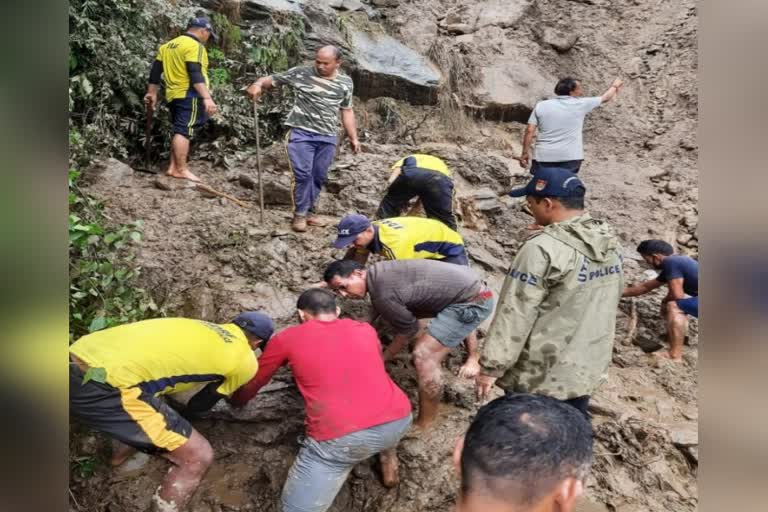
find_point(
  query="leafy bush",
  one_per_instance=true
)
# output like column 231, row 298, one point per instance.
column 103, row 289
column 111, row 46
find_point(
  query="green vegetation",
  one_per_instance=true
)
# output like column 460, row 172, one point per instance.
column 103, row 280
column 112, row 44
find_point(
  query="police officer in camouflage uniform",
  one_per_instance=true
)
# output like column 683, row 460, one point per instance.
column 554, row 326
column 321, row 92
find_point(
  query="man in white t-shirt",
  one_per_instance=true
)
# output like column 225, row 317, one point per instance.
column 560, row 121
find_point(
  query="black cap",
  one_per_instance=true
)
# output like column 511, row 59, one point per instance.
column 203, row 22
column 256, row 323
column 551, row 182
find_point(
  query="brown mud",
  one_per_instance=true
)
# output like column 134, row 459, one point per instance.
column 209, row 258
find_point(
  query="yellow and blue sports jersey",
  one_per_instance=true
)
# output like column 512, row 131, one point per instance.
column 406, row 238
column 421, row 161
column 174, row 55
column 169, row 355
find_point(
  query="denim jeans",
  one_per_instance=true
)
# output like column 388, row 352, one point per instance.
column 322, row 467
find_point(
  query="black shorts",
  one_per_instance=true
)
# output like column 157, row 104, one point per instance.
column 187, row 115
column 571, row 165
column 129, row 415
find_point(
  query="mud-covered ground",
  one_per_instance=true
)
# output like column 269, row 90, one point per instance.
column 209, row 258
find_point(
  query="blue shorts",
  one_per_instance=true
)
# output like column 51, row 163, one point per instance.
column 457, row 321
column 187, row 115
column 690, row 306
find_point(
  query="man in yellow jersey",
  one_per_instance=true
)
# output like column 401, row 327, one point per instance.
column 183, row 65
column 116, row 378
column 408, row 238
column 425, row 176
column 400, row 238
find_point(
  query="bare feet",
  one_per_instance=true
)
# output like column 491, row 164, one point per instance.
column 186, row 174
column 470, row 369
column 665, row 354
column 389, row 468
column 120, row 453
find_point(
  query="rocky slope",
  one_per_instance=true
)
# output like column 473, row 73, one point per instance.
column 208, row 258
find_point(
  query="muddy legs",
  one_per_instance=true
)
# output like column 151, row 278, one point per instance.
column 428, row 355
column 191, row 461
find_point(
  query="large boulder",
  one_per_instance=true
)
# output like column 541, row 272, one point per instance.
column 498, row 13
column 386, row 67
column 510, row 87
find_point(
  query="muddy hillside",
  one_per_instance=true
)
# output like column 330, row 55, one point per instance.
column 456, row 79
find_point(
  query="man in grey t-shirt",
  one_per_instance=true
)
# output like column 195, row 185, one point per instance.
column 560, row 121
column 402, row 291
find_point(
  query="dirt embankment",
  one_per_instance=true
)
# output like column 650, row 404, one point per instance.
column 208, row 258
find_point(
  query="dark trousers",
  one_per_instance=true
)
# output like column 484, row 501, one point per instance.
column 310, row 161
column 433, row 188
column 571, row 165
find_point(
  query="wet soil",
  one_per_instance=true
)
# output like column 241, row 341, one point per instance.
column 209, row 258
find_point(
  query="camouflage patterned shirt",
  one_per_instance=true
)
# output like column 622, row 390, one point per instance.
column 318, row 99
column 555, row 321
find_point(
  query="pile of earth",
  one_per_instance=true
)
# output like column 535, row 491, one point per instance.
column 208, row 258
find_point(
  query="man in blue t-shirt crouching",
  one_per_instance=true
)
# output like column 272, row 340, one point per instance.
column 681, row 274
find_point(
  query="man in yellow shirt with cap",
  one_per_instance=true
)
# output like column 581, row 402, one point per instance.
column 425, row 176
column 117, row 377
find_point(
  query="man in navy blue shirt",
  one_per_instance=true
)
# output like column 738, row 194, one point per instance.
column 681, row 275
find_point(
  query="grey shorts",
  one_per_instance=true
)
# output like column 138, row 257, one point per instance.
column 457, row 321
column 322, row 467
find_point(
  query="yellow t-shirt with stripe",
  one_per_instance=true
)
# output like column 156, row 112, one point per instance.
column 174, row 55
column 429, row 162
column 169, row 355
column 406, row 238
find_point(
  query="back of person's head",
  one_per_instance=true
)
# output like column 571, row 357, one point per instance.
column 523, row 449
column 317, row 301
column 651, row 247
column 565, row 86
column 341, row 268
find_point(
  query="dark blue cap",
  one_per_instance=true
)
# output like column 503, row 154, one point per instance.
column 203, row 22
column 349, row 227
column 551, row 182
column 258, row 324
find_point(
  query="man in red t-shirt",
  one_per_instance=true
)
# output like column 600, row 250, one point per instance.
column 353, row 409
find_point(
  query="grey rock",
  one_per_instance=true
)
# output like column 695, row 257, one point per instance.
column 559, row 41
column 110, row 170
column 465, row 39
column 486, row 259
column 486, row 200
column 386, row 3
column 674, row 187
column 500, row 13
column 460, row 28
column 510, row 87
column 685, row 434
column 386, row 67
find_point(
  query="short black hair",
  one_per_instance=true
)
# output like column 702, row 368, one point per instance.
column 574, row 202
column 651, row 247
column 520, row 446
column 565, row 86
column 341, row 268
column 317, row 301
